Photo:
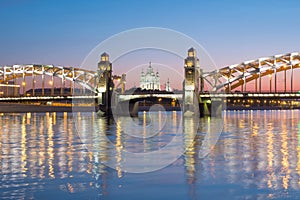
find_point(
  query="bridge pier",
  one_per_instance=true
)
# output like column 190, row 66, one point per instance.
column 191, row 84
column 127, row 109
column 192, row 102
column 211, row 107
column 105, row 85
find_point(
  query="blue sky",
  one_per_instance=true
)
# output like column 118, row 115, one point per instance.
column 64, row 32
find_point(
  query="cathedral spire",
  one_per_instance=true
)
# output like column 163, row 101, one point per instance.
column 168, row 86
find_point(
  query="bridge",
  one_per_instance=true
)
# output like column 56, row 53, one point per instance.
column 49, row 82
column 233, row 76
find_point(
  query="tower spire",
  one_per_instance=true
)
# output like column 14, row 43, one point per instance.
column 168, row 86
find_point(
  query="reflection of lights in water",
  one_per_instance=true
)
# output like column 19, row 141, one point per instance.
column 255, row 129
column 90, row 163
column 212, row 127
column 118, row 149
column 70, row 188
column 271, row 145
column 5, row 162
column 42, row 149
column 160, row 120
column 28, row 117
column 33, row 153
column 145, row 130
column 1, row 141
column 54, row 118
column 89, row 153
column 98, row 150
column 189, row 133
column 23, row 145
column 61, row 150
column 299, row 134
column 270, row 156
column 298, row 152
column 78, row 116
column 65, row 121
column 174, row 118
column 70, row 152
column 242, row 122
column 285, row 161
column 103, row 146
column 145, row 124
column 50, row 149
column 226, row 113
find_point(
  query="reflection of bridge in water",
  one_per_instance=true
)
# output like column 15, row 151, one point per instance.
column 50, row 152
column 230, row 85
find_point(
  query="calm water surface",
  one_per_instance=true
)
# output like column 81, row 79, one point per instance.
column 44, row 157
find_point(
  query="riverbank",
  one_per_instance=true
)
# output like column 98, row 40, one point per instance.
column 20, row 108
column 261, row 107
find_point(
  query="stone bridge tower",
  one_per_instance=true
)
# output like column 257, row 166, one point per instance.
column 105, row 84
column 191, row 83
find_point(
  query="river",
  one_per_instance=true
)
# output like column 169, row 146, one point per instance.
column 83, row 156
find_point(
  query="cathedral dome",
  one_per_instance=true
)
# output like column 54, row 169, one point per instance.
column 149, row 80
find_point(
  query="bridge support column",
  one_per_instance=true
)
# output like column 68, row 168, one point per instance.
column 259, row 81
column 43, row 81
column 72, row 84
column 191, row 84
column 256, row 85
column 284, row 80
column 259, row 75
column 275, row 80
column 123, row 82
column 52, row 85
column 33, row 84
column 62, row 85
column 71, row 88
column 43, row 84
column 244, row 83
column 83, row 88
column 292, row 75
column 24, row 83
column 15, row 90
column 270, row 76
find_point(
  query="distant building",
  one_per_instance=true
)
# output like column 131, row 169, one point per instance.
column 150, row 80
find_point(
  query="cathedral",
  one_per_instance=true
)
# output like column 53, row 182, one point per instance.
column 150, row 80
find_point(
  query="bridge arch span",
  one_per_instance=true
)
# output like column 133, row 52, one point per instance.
column 85, row 78
column 231, row 77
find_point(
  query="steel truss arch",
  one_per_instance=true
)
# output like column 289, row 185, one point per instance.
column 233, row 76
column 86, row 78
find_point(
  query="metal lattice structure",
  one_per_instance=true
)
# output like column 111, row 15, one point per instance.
column 225, row 79
column 233, row 76
column 86, row 78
